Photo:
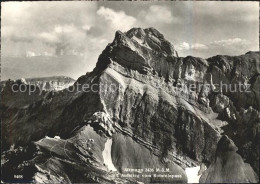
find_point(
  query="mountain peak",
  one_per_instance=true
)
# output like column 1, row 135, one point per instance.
column 138, row 49
column 140, row 32
column 153, row 39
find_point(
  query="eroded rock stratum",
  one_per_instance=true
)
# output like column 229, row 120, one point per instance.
column 141, row 98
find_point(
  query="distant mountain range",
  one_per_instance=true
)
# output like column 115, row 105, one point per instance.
column 30, row 67
column 46, row 83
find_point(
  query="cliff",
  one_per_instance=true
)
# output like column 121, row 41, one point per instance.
column 160, row 110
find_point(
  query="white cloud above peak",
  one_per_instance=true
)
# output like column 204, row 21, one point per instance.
column 158, row 14
column 200, row 29
column 118, row 20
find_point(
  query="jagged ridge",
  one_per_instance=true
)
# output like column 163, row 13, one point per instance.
column 152, row 104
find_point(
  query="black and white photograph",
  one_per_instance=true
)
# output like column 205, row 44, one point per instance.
column 130, row 92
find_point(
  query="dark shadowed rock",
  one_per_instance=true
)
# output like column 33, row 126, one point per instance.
column 228, row 166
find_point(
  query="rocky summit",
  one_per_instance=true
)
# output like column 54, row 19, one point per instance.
column 144, row 114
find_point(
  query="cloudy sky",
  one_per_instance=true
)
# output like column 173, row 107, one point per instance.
column 83, row 29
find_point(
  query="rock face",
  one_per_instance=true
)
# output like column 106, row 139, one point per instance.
column 228, row 166
column 160, row 110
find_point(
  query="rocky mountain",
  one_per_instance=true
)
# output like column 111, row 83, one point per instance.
column 228, row 166
column 156, row 112
column 23, row 92
column 55, row 83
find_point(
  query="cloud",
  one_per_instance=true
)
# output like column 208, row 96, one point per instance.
column 118, row 20
column 82, row 27
column 65, row 39
column 52, row 28
column 55, row 24
column 187, row 46
column 157, row 14
column 48, row 37
column 183, row 46
column 199, row 46
column 231, row 42
column 231, row 46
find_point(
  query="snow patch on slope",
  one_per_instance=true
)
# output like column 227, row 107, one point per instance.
column 192, row 174
column 107, row 155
